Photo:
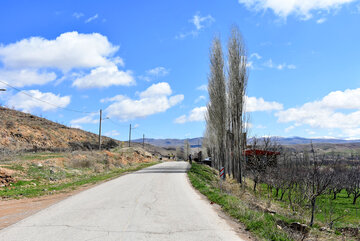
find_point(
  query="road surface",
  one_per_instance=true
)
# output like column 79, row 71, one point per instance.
column 156, row 203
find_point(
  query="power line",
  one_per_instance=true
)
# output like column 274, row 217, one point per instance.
column 64, row 108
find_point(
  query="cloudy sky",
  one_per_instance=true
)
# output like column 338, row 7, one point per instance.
column 146, row 63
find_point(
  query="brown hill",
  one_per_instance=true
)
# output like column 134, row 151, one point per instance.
column 20, row 131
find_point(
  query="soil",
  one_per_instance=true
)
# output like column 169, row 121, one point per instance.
column 12, row 211
column 5, row 177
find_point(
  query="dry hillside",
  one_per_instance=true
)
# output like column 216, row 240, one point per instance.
column 20, row 131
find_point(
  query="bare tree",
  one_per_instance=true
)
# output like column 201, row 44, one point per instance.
column 318, row 178
column 237, row 81
column 179, row 153
column 354, row 182
column 260, row 158
column 186, row 150
column 216, row 108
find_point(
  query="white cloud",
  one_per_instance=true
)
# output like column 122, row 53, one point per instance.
column 143, row 77
column 181, row 119
column 25, row 103
column 25, row 77
column 259, row 104
column 76, row 126
column 112, row 99
column 105, row 76
column 202, row 87
column 193, row 33
column 289, row 128
column 196, row 114
column 254, row 62
column 326, row 114
column 255, row 55
column 112, row 133
column 250, row 64
column 78, row 15
column 68, row 51
column 158, row 71
column 321, row 20
column 154, row 99
column 159, row 89
column 89, row 119
column 91, row 18
column 88, row 59
column 200, row 98
column 300, row 8
column 270, row 64
column 200, row 21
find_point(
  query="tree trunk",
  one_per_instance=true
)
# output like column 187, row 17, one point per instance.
column 313, row 202
column 355, row 198
column 277, row 192
column 282, row 195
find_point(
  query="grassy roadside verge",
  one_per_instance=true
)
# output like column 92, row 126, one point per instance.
column 262, row 225
column 35, row 188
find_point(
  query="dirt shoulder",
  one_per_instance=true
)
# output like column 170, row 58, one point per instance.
column 12, row 211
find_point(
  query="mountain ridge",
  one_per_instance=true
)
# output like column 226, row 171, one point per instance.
column 295, row 140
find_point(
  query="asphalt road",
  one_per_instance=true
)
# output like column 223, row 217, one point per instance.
column 156, row 203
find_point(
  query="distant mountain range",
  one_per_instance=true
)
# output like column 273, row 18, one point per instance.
column 194, row 142
column 197, row 142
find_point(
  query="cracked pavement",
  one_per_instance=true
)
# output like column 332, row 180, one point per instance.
column 156, row 203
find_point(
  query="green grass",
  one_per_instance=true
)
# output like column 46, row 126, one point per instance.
column 40, row 156
column 340, row 207
column 16, row 167
column 39, row 185
column 263, row 225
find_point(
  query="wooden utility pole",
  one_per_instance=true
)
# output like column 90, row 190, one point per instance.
column 100, row 130
column 129, row 135
column 143, row 140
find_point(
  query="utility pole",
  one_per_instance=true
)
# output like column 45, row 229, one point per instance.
column 143, row 140
column 130, row 135
column 100, row 130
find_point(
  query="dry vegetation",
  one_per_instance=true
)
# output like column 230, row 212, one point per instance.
column 25, row 132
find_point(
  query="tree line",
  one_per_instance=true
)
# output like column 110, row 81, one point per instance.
column 301, row 178
column 226, row 115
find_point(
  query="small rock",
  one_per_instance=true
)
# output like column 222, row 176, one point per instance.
column 300, row 227
column 325, row 229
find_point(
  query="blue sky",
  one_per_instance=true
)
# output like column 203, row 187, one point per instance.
column 147, row 62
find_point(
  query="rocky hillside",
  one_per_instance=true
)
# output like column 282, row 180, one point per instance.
column 25, row 132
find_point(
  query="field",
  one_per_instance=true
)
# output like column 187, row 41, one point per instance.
column 271, row 219
column 340, row 211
